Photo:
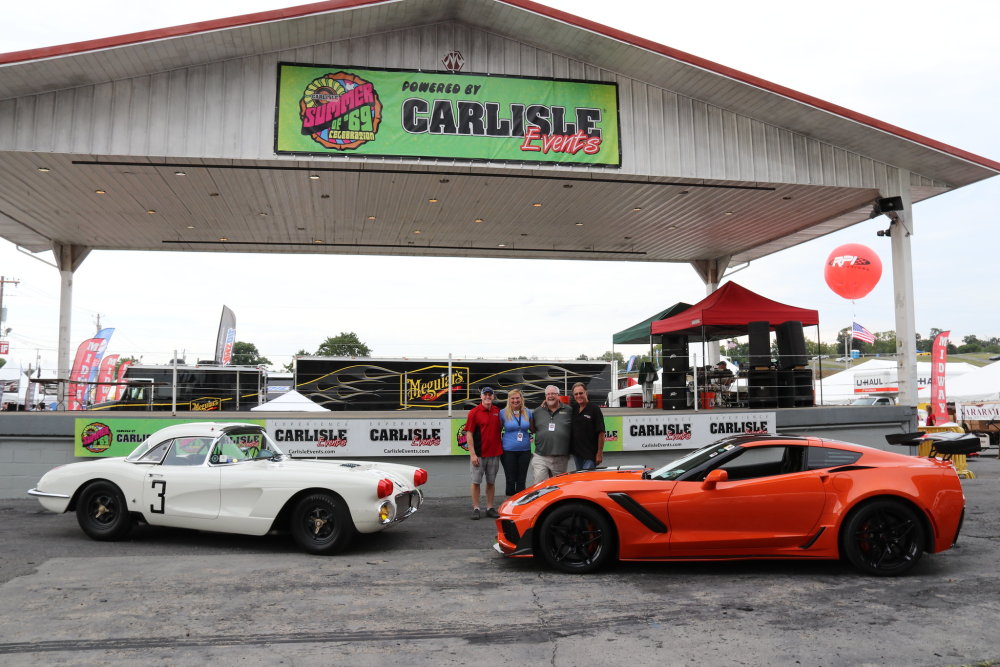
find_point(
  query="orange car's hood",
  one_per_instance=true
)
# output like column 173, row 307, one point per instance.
column 600, row 474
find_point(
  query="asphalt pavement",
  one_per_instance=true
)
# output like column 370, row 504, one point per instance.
column 432, row 592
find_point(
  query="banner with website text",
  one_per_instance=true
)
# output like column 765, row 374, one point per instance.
column 334, row 110
column 438, row 436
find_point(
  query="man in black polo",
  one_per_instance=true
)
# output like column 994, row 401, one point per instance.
column 587, row 435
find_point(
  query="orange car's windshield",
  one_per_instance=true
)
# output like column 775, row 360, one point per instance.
column 692, row 460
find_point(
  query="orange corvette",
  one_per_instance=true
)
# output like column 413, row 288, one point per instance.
column 761, row 497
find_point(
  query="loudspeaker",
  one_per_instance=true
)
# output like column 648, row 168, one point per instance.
column 760, row 344
column 670, row 342
column 762, row 389
column 887, row 204
column 675, row 354
column 786, row 388
column 673, row 383
column 675, row 403
column 791, row 345
column 675, row 363
column 805, row 395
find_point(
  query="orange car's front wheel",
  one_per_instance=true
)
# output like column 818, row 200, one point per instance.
column 576, row 538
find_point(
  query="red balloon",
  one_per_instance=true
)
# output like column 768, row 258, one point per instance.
column 852, row 270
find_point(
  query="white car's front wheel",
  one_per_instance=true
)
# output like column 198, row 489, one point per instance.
column 102, row 512
column 321, row 524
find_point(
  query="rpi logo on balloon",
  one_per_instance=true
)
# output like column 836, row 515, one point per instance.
column 845, row 260
column 852, row 270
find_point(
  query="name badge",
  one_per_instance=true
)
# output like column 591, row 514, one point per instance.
column 520, row 436
column 552, row 426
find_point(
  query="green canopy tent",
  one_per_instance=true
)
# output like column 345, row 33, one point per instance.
column 639, row 333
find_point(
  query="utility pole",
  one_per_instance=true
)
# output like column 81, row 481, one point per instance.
column 4, row 281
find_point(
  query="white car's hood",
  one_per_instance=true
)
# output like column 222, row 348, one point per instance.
column 400, row 475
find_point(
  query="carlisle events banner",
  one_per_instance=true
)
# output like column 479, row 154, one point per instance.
column 118, row 437
column 367, row 438
column 334, row 110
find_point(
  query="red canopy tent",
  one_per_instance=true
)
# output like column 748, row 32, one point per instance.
column 727, row 311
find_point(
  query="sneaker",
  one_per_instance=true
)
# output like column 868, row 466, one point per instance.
column 475, row 514
column 492, row 513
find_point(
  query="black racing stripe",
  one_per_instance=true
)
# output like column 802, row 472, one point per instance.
column 638, row 511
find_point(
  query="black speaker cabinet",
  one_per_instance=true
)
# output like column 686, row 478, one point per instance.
column 676, row 363
column 674, row 381
column 760, row 344
column 786, row 388
column 795, row 388
column 791, row 345
column 805, row 395
column 762, row 389
column 675, row 402
column 675, row 354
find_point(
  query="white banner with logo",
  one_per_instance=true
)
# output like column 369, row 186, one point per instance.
column 977, row 411
column 690, row 431
column 361, row 438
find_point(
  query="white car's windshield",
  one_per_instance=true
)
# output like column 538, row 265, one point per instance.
column 235, row 446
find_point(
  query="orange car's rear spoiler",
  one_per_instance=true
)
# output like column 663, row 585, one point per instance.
column 943, row 443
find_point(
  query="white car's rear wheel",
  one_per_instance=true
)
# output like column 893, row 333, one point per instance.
column 102, row 512
column 321, row 524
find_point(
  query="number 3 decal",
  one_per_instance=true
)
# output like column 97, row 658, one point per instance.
column 161, row 495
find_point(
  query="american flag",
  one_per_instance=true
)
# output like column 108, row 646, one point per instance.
column 862, row 334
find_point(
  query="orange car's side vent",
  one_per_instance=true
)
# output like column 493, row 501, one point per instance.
column 644, row 516
column 846, row 468
column 813, row 539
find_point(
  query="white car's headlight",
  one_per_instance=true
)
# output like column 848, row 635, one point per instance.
column 534, row 495
column 386, row 512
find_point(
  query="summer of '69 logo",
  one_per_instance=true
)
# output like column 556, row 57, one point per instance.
column 340, row 111
column 95, row 437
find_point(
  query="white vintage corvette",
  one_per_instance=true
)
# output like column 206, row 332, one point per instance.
column 232, row 478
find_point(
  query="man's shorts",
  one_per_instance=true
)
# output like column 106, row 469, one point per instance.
column 488, row 466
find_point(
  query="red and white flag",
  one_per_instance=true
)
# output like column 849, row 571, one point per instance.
column 120, row 388
column 939, row 360
column 105, row 377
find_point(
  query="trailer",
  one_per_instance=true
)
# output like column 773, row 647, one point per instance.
column 199, row 388
column 346, row 383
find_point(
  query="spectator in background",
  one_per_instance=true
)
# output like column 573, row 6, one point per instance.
column 516, row 457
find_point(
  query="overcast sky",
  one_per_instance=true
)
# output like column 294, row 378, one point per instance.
column 929, row 67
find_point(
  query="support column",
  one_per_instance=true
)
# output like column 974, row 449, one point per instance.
column 902, row 282
column 68, row 260
column 710, row 271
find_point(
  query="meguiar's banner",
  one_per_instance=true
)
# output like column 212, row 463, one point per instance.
column 335, row 110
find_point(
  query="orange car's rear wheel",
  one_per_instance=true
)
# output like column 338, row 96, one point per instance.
column 884, row 538
column 576, row 538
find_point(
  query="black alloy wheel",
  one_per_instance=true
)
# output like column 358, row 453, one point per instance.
column 102, row 512
column 884, row 538
column 321, row 524
column 576, row 538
